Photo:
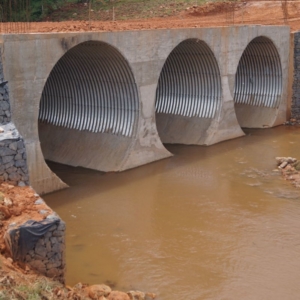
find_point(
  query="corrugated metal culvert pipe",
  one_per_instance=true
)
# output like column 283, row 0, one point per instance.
column 258, row 84
column 91, row 88
column 89, row 108
column 188, row 92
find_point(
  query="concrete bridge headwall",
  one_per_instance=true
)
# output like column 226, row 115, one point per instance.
column 109, row 100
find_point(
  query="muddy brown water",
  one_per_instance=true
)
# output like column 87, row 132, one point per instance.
column 209, row 223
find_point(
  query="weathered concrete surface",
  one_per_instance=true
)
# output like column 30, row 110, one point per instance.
column 295, row 97
column 29, row 58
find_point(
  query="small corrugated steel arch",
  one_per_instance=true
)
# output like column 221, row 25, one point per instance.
column 258, row 80
column 91, row 87
column 190, row 82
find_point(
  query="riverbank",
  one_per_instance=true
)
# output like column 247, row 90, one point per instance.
column 290, row 169
column 22, row 279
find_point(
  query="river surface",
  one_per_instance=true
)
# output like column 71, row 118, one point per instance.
column 208, row 223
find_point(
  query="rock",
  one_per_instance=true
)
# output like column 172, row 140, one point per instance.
column 98, row 290
column 11, row 170
column 41, row 250
column 150, row 296
column 20, row 145
column 9, row 259
column 3, row 214
column 61, row 226
column 53, row 240
column 4, row 151
column 19, row 156
column 7, row 202
column 21, row 151
column 283, row 165
column 291, row 160
column 136, row 295
column 7, row 159
column 39, row 201
column 118, row 296
column 27, row 258
column 57, row 233
column 50, row 254
column 53, row 227
column 53, row 265
column 48, row 234
column 4, row 105
column 2, row 197
column 53, row 273
column 21, row 183
column 14, row 176
column 297, row 165
column 13, row 146
column 53, row 217
column 20, row 163
column 58, row 247
column 38, row 265
column 38, row 257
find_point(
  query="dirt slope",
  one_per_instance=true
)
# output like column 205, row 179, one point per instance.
column 211, row 14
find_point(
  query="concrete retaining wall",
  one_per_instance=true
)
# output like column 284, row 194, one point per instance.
column 295, row 105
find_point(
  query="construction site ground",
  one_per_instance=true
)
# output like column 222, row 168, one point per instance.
column 209, row 15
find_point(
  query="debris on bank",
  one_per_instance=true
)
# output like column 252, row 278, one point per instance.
column 290, row 169
column 292, row 122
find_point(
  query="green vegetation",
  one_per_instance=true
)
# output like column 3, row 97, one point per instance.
column 104, row 10
column 41, row 289
column 60, row 10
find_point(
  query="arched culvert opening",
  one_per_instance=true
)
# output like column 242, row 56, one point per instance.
column 89, row 108
column 258, row 84
column 188, row 95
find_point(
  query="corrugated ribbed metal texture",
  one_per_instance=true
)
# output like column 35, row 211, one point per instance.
column 258, row 80
column 91, row 88
column 189, row 83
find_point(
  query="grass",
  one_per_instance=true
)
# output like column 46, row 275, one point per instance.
column 120, row 9
column 41, row 289
column 36, row 291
